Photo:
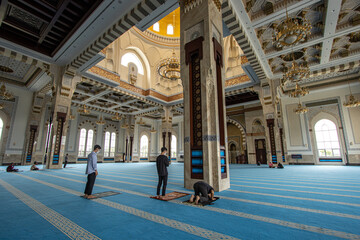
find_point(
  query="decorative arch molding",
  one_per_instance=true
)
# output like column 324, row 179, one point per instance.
column 325, row 115
column 111, row 128
column 87, row 124
column 235, row 143
column 241, row 128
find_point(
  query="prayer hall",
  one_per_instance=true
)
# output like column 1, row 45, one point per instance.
column 243, row 112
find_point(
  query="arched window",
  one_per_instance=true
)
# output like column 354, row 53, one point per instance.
column 156, row 27
column 131, row 57
column 144, row 145
column 107, row 144
column 1, row 127
column 170, row 29
column 89, row 142
column 82, row 141
column 327, row 138
column 112, row 144
column 173, row 146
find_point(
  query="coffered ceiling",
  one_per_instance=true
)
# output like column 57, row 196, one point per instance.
column 334, row 39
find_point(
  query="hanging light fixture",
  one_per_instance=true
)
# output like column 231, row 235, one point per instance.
column 1, row 106
column 101, row 121
column 352, row 102
column 298, row 91
column 71, row 117
column 5, row 94
column 300, row 109
column 153, row 130
column 141, row 122
column 116, row 117
column 83, row 110
column 291, row 31
column 169, row 68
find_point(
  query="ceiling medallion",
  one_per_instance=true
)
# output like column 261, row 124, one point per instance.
column 4, row 94
column 101, row 121
column 169, row 68
column 300, row 109
column 6, row 69
column 298, row 91
column 116, row 117
column 83, row 110
column 291, row 31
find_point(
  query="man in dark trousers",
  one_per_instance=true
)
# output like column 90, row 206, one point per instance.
column 204, row 193
column 162, row 162
column 66, row 160
column 91, row 171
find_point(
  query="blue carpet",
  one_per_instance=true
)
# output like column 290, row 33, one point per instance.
column 298, row 202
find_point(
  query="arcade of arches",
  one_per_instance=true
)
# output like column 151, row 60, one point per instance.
column 86, row 87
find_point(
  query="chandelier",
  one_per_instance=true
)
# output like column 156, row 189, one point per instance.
column 83, row 110
column 141, row 122
column 4, row 94
column 116, row 117
column 296, row 72
column 352, row 102
column 1, row 106
column 71, row 117
column 101, row 121
column 153, row 130
column 298, row 91
column 300, row 109
column 125, row 126
column 291, row 31
column 169, row 68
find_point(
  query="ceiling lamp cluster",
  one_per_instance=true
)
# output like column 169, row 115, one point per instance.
column 101, row 121
column 298, row 91
column 141, row 122
column 296, row 73
column 116, row 117
column 5, row 94
column 83, row 110
column 169, row 68
column 352, row 102
column 300, row 109
column 291, row 31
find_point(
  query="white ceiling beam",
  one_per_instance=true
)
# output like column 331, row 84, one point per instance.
column 99, row 95
column 331, row 19
column 313, row 42
column 282, row 13
column 239, row 9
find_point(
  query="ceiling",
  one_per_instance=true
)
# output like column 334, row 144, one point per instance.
column 334, row 39
column 174, row 19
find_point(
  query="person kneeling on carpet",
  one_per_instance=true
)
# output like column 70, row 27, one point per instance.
column 11, row 168
column 204, row 193
column 34, row 167
column 280, row 165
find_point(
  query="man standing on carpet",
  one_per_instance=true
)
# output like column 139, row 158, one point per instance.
column 91, row 171
column 162, row 162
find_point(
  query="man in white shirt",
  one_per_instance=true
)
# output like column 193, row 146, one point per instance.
column 91, row 171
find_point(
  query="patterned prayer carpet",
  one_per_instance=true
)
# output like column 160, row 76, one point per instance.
column 298, row 202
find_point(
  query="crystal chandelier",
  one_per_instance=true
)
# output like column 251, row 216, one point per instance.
column 71, row 117
column 298, row 91
column 83, row 110
column 291, row 31
column 116, row 117
column 101, row 121
column 352, row 102
column 169, row 68
column 300, row 109
column 4, row 94
column 125, row 126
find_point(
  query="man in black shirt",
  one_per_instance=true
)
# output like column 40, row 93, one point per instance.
column 204, row 193
column 162, row 162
